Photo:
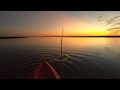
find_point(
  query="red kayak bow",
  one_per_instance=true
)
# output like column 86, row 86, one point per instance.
column 45, row 71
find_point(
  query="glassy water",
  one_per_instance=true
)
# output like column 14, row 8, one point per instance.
column 83, row 58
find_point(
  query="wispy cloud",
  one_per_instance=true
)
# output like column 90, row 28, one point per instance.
column 100, row 19
column 115, row 32
column 116, row 24
column 113, row 24
column 113, row 20
column 114, row 28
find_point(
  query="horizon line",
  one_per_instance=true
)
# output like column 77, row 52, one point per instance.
column 74, row 36
column 53, row 36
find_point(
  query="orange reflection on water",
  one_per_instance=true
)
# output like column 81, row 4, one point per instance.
column 84, row 42
column 68, row 42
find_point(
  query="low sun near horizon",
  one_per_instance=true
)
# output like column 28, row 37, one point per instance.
column 50, row 23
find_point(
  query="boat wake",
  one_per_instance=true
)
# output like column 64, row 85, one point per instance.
column 58, row 58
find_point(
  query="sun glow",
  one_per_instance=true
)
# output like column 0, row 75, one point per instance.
column 87, row 30
column 51, row 23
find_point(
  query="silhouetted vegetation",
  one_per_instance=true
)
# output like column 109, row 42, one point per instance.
column 11, row 37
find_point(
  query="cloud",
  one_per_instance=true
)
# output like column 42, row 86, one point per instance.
column 114, row 28
column 115, row 32
column 100, row 19
column 116, row 24
column 113, row 20
column 113, row 24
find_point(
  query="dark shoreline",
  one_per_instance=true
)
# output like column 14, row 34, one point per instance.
column 11, row 37
column 73, row 36
column 59, row 36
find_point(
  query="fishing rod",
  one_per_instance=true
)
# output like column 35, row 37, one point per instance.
column 61, row 54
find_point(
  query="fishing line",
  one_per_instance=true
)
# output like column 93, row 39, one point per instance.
column 61, row 54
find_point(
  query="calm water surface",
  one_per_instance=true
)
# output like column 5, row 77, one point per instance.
column 84, row 58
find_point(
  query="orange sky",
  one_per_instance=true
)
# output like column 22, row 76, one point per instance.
column 41, row 23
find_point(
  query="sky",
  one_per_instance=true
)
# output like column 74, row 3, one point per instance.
column 50, row 23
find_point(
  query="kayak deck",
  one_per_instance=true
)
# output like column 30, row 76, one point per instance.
column 45, row 71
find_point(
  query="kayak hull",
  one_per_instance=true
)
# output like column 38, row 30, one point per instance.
column 45, row 71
